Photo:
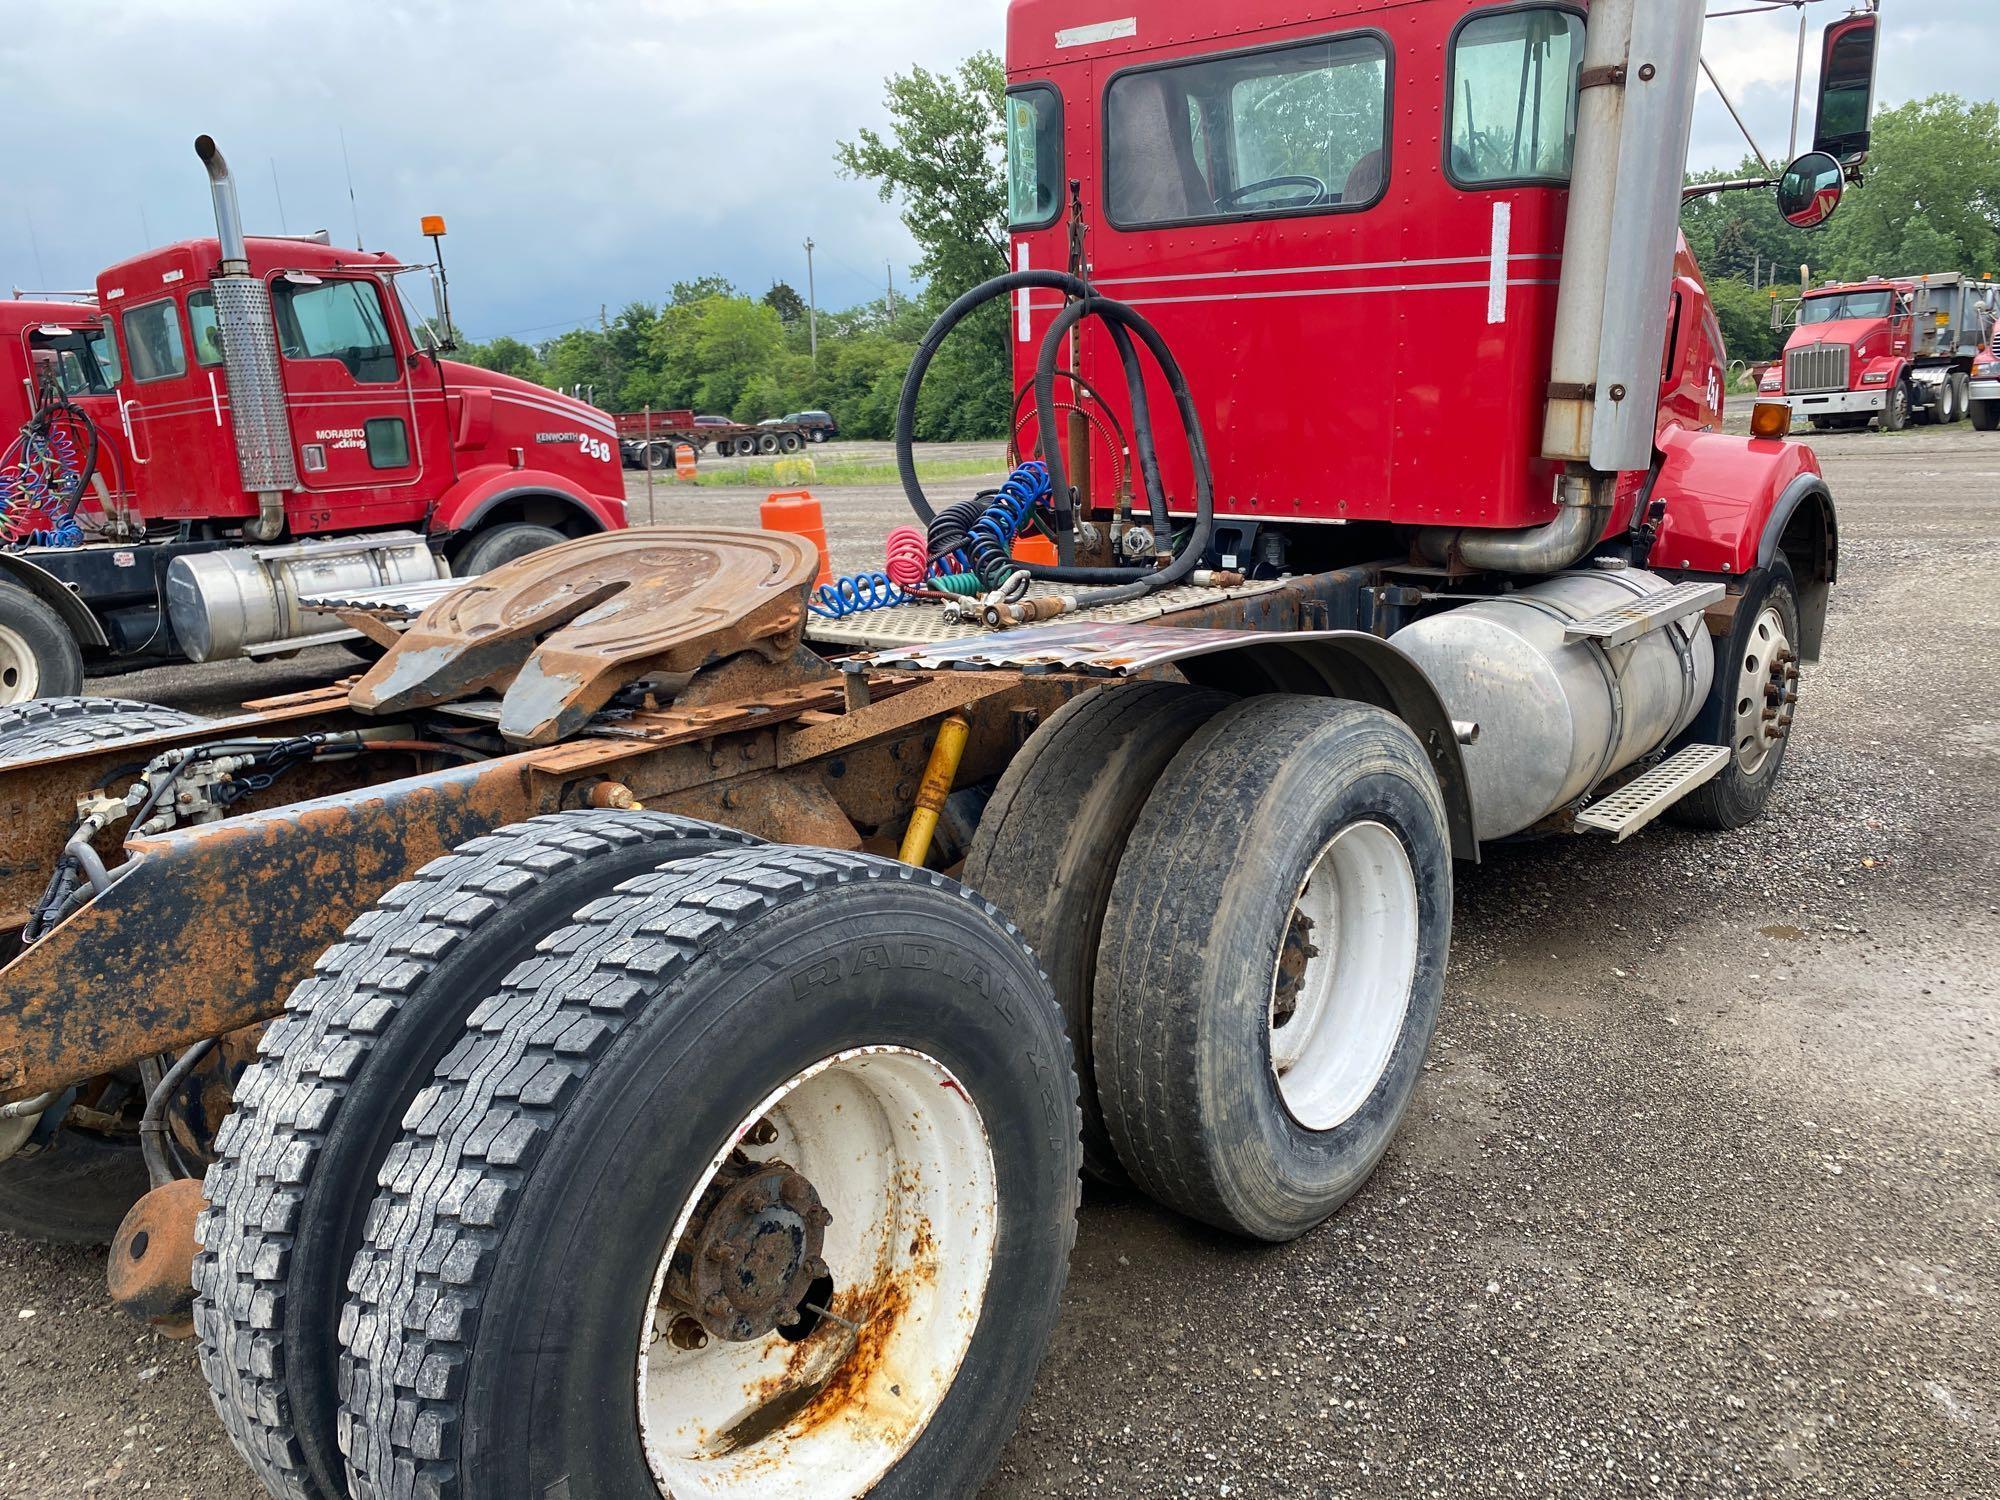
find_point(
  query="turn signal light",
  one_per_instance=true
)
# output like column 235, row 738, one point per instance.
column 1770, row 419
column 431, row 224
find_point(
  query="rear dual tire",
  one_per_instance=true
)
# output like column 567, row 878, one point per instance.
column 317, row 1114
column 513, row 1260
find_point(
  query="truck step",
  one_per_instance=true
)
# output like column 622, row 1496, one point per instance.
column 1644, row 616
column 1624, row 812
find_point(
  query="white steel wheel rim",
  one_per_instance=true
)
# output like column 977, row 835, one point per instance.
column 898, row 1153
column 1348, row 1005
column 1764, row 660
column 20, row 675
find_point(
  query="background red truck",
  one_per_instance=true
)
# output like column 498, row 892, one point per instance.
column 1885, row 350
column 283, row 424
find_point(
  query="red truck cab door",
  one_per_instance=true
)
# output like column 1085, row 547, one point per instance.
column 1902, row 323
column 352, row 404
column 174, row 410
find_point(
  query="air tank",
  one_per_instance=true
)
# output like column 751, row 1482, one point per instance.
column 1556, row 718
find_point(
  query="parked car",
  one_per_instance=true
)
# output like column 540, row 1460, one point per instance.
column 818, row 426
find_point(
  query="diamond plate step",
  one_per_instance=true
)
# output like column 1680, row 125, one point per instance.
column 1624, row 812
column 1644, row 616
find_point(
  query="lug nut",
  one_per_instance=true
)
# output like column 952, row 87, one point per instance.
column 763, row 1133
column 818, row 1217
column 796, row 1192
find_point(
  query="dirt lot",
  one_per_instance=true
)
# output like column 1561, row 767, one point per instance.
column 1700, row 1198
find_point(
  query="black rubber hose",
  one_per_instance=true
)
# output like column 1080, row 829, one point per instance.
column 920, row 364
column 1119, row 318
column 153, row 1124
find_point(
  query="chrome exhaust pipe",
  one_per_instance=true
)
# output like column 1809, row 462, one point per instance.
column 250, row 359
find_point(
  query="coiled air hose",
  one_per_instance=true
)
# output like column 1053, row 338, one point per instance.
column 43, row 475
column 1125, row 325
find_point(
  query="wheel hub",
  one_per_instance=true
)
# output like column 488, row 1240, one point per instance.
column 754, row 1249
column 19, row 677
column 1768, row 692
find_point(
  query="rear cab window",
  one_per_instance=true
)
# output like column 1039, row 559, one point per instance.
column 1295, row 129
column 1034, row 157
column 1513, row 94
column 153, row 341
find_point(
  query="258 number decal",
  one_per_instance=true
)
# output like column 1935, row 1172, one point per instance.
column 595, row 448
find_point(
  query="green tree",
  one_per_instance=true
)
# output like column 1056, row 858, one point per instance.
column 507, row 356
column 1932, row 199
column 1745, row 315
column 944, row 164
column 784, row 300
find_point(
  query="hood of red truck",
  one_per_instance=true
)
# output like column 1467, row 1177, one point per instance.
column 1850, row 331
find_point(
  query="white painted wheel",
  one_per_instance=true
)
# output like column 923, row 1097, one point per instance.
column 20, row 673
column 1765, row 691
column 1341, row 989
column 897, row 1154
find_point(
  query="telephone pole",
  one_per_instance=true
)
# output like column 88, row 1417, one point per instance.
column 812, row 306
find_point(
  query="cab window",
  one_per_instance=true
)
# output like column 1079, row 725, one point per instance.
column 76, row 369
column 153, row 339
column 1513, row 95
column 1281, row 130
column 1034, row 157
column 340, row 320
column 201, row 326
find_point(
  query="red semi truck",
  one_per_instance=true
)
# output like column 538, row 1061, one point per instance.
column 1887, row 350
column 280, row 423
column 692, row 1148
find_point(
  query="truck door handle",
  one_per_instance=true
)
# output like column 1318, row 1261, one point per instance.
column 131, row 439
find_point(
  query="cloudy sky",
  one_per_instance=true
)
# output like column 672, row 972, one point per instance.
column 588, row 152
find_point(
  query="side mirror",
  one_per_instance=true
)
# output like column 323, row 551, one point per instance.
column 1811, row 190
column 1847, row 88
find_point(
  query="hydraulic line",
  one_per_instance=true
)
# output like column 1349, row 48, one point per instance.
column 1125, row 325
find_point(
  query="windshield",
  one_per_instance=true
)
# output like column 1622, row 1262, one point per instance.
column 77, row 369
column 1846, row 305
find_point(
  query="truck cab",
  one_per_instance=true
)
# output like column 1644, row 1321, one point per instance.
column 1349, row 222
column 379, row 430
column 66, row 346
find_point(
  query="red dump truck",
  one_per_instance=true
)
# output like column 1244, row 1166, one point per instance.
column 276, row 420
column 1889, row 350
column 629, row 1122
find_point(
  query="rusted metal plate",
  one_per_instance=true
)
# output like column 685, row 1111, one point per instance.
column 209, row 928
column 562, row 631
column 1096, row 648
column 38, row 797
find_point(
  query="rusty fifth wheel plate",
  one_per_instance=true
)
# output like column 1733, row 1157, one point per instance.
column 559, row 632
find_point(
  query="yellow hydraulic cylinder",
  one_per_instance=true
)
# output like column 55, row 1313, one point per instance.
column 938, row 777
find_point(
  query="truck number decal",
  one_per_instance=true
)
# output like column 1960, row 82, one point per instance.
column 595, row 448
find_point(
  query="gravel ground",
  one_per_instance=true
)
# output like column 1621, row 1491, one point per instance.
column 1699, row 1197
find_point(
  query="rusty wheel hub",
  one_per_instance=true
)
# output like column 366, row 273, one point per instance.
column 754, row 1249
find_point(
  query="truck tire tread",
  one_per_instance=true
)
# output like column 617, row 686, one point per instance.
column 31, row 736
column 272, row 1147
column 453, row 1184
column 1049, row 842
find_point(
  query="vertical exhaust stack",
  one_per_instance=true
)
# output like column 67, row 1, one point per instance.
column 1640, row 66
column 250, row 359
column 1634, row 115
